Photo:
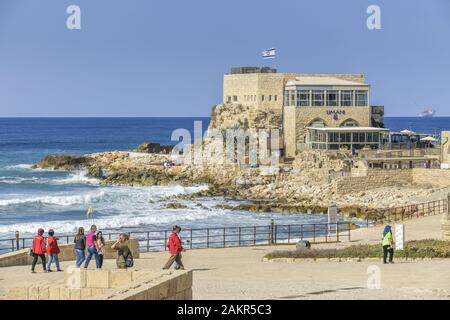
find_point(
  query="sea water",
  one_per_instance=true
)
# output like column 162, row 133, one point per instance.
column 34, row 198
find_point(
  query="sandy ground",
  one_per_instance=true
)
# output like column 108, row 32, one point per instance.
column 240, row 273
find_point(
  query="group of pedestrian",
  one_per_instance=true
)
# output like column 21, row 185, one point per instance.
column 40, row 248
column 93, row 243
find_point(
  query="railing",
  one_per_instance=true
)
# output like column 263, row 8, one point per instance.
column 156, row 240
column 411, row 211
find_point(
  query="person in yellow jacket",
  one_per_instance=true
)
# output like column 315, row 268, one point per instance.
column 388, row 244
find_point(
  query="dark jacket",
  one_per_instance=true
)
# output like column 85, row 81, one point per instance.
column 80, row 243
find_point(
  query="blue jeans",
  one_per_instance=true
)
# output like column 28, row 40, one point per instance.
column 92, row 251
column 52, row 257
column 80, row 257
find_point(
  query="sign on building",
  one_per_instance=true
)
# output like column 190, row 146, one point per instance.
column 399, row 236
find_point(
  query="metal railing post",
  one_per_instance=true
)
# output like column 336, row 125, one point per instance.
column 314, row 232
column 337, row 231
column 207, row 238
column 271, row 237
column 190, row 244
column 148, row 241
column 224, row 237
column 17, row 241
column 239, row 237
column 165, row 240
column 349, row 230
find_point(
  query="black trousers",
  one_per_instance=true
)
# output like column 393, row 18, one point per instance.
column 388, row 250
column 35, row 259
column 100, row 258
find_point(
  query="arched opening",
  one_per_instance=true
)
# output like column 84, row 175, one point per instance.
column 350, row 123
column 318, row 123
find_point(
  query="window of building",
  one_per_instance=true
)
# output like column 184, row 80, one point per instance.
column 235, row 98
column 361, row 98
column 303, row 98
column 332, row 98
column 350, row 123
column 276, row 97
column 346, row 98
column 262, row 97
column 228, row 98
column 270, row 97
column 318, row 98
column 318, row 123
column 286, row 98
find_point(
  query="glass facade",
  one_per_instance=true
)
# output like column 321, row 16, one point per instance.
column 328, row 98
column 335, row 140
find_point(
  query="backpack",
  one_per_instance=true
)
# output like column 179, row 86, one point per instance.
column 129, row 261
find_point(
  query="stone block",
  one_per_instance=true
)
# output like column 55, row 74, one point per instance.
column 86, row 293
column 75, row 277
column 188, row 294
column 153, row 293
column 172, row 285
column 33, row 293
column 98, row 291
column 163, row 290
column 44, row 293
column 119, row 278
column 97, row 279
column 75, row 294
column 64, row 294
column 184, row 281
column 54, row 293
column 17, row 294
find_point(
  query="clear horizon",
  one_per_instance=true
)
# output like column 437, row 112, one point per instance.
column 163, row 59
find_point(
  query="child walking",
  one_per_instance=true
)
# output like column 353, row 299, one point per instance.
column 100, row 248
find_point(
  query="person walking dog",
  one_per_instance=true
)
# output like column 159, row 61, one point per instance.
column 175, row 248
column 388, row 244
column 38, row 250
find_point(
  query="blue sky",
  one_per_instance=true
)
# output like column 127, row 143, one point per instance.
column 167, row 58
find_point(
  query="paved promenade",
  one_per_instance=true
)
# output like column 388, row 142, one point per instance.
column 240, row 273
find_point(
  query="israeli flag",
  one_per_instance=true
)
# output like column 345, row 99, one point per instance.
column 269, row 53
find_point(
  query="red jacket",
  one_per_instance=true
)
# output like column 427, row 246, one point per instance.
column 38, row 245
column 52, row 245
column 174, row 243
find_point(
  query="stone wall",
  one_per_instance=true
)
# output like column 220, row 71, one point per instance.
column 431, row 177
column 115, row 284
column 376, row 178
column 305, row 115
column 21, row 257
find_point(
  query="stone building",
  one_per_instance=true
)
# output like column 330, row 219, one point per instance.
column 308, row 102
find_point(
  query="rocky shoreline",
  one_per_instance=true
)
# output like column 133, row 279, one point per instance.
column 292, row 190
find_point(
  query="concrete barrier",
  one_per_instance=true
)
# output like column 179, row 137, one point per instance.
column 21, row 257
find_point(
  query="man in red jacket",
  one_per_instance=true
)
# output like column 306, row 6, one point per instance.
column 52, row 250
column 38, row 249
column 175, row 248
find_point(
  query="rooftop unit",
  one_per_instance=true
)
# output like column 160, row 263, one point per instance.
column 244, row 70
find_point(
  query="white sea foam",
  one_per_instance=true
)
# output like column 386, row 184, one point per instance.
column 76, row 177
column 22, row 166
column 17, row 180
column 60, row 200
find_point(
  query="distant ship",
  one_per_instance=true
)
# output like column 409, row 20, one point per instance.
column 427, row 113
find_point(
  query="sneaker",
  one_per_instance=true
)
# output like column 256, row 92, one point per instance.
column 32, row 271
column 59, row 270
column 391, row 261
